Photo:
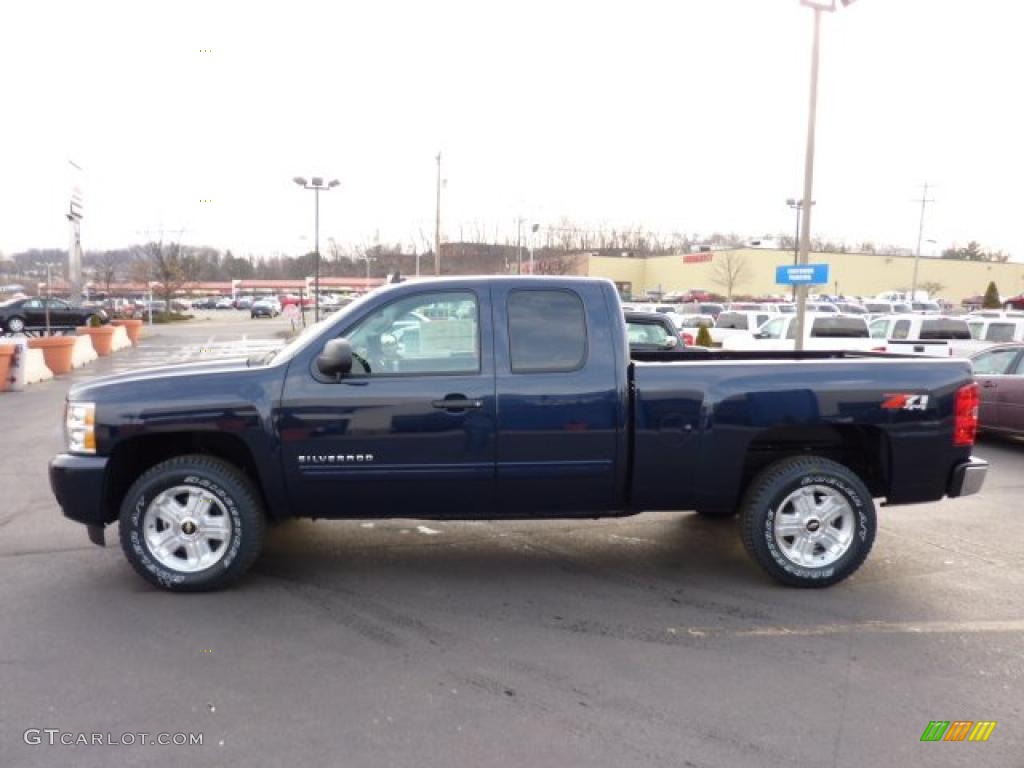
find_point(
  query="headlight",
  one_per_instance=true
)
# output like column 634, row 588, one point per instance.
column 80, row 427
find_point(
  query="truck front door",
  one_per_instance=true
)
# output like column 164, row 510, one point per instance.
column 410, row 432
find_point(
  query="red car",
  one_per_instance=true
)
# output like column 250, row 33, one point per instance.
column 999, row 372
column 290, row 299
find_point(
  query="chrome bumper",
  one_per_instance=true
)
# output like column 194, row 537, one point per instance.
column 968, row 477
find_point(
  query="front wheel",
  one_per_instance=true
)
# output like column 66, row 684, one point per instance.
column 192, row 523
column 808, row 521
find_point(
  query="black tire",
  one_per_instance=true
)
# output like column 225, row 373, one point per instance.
column 769, row 492
column 229, row 488
column 15, row 324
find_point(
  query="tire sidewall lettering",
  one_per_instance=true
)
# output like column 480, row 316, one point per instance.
column 163, row 575
column 849, row 494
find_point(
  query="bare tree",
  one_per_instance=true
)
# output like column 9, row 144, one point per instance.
column 932, row 287
column 165, row 264
column 557, row 264
column 729, row 270
column 105, row 271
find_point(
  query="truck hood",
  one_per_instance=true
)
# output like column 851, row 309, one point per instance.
column 183, row 374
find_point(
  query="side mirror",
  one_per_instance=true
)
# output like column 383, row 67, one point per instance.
column 336, row 359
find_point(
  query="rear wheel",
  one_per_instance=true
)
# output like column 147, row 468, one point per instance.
column 808, row 521
column 192, row 523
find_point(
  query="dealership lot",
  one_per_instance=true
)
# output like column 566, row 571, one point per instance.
column 650, row 640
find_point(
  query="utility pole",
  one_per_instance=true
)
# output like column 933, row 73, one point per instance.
column 437, row 221
column 920, row 233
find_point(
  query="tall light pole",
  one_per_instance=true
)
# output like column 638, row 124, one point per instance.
column 316, row 183
column 920, row 233
column 798, row 206
column 533, row 243
column 805, row 232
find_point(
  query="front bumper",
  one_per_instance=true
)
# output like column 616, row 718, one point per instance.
column 77, row 482
column 967, row 477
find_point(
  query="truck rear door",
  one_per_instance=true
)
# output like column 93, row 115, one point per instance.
column 561, row 398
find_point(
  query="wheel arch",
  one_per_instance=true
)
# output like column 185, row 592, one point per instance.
column 862, row 449
column 133, row 456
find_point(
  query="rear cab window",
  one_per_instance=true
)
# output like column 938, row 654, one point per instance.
column 944, row 329
column 1000, row 332
column 735, row 321
column 547, row 331
column 839, row 328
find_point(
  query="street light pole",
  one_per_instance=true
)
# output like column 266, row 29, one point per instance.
column 316, row 183
column 805, row 230
column 797, row 205
column 533, row 243
column 920, row 233
column 519, row 245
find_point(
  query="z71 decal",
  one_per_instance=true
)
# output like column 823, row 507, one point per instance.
column 905, row 402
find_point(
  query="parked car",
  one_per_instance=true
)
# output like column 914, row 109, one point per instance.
column 922, row 334
column 207, row 302
column 244, row 302
column 999, row 328
column 287, row 299
column 652, row 335
column 739, row 323
column 999, row 371
column 29, row 314
column 822, row 331
column 689, row 326
column 265, row 308
column 225, row 303
column 521, row 403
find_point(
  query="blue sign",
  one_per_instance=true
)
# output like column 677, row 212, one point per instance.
column 802, row 274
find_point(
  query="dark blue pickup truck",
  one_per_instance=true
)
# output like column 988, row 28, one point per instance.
column 501, row 398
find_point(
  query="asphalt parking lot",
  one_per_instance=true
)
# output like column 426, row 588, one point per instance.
column 647, row 641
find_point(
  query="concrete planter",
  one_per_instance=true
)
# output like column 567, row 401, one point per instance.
column 6, row 353
column 57, row 350
column 132, row 326
column 102, row 337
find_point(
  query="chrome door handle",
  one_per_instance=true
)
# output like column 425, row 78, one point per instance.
column 457, row 403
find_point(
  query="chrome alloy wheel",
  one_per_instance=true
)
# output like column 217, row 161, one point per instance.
column 187, row 529
column 814, row 526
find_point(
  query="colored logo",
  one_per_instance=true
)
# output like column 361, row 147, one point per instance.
column 905, row 402
column 958, row 730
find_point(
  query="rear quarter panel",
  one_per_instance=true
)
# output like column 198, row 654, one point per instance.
column 695, row 422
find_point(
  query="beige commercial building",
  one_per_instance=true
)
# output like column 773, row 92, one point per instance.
column 851, row 274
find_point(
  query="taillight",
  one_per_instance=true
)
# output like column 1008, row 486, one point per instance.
column 878, row 349
column 965, row 424
column 687, row 339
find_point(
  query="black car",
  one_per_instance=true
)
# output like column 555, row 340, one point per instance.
column 652, row 335
column 30, row 314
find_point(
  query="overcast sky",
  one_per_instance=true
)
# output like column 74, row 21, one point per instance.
column 681, row 115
